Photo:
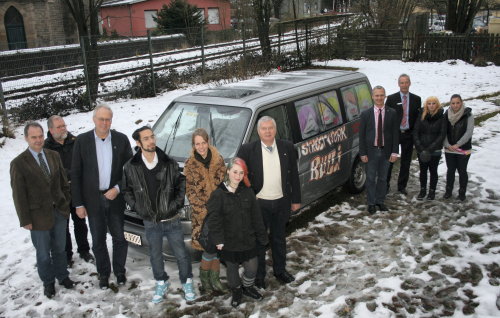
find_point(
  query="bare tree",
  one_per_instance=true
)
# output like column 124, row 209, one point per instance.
column 385, row 13
column 277, row 8
column 262, row 14
column 85, row 13
column 461, row 14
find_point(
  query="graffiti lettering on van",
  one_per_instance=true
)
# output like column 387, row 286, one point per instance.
column 326, row 165
column 319, row 143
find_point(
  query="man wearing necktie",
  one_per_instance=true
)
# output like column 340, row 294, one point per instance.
column 407, row 107
column 41, row 196
column 378, row 147
column 274, row 177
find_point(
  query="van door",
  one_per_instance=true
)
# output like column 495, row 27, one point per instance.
column 321, row 144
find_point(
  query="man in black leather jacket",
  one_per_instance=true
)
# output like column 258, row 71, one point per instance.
column 154, row 187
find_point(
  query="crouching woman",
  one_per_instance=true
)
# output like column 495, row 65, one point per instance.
column 236, row 225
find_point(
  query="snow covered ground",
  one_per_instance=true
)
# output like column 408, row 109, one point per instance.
column 421, row 259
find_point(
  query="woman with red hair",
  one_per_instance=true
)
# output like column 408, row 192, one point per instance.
column 236, row 225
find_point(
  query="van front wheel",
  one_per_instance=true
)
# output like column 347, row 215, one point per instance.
column 357, row 179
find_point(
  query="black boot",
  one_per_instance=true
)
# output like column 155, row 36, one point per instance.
column 431, row 195
column 461, row 195
column 421, row 194
column 448, row 193
column 237, row 295
column 252, row 292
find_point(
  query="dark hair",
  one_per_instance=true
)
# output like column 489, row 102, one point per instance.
column 456, row 96
column 136, row 135
column 199, row 132
column 31, row 124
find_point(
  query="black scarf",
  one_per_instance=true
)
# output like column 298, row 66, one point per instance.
column 206, row 161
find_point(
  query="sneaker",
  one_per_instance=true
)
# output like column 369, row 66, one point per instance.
column 188, row 289
column 103, row 282
column 251, row 292
column 121, row 279
column 87, row 257
column 67, row 283
column 49, row 290
column 160, row 291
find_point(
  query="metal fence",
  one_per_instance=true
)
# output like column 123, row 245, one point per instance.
column 45, row 81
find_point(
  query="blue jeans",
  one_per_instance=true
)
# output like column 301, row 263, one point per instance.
column 175, row 236
column 376, row 177
column 50, row 254
column 99, row 223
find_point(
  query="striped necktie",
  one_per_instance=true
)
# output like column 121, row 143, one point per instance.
column 44, row 166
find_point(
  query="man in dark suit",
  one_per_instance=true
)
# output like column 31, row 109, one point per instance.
column 41, row 196
column 378, row 146
column 96, row 178
column 272, row 170
column 62, row 141
column 407, row 107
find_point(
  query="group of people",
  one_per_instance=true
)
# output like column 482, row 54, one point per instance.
column 249, row 203
column 399, row 122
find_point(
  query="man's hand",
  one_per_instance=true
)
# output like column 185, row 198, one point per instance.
column 364, row 159
column 28, row 227
column 295, row 206
column 81, row 212
column 393, row 158
column 111, row 194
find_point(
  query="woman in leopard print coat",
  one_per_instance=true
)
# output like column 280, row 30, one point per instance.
column 204, row 171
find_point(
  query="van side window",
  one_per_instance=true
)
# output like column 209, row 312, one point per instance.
column 364, row 96
column 350, row 99
column 329, row 109
column 309, row 116
column 282, row 123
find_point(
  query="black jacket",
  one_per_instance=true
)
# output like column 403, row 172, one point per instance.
column 170, row 196
column 429, row 133
column 85, row 171
column 415, row 102
column 65, row 150
column 290, row 184
column 454, row 133
column 235, row 219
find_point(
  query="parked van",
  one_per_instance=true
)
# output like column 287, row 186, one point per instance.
column 317, row 110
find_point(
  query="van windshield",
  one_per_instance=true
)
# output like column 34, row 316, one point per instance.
column 225, row 126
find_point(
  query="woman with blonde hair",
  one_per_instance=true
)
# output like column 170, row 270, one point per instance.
column 428, row 137
column 204, row 170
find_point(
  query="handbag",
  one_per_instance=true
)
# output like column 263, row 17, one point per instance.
column 205, row 239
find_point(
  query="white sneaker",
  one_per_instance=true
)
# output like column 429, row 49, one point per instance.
column 188, row 289
column 160, row 291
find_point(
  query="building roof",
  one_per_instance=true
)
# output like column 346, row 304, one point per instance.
column 115, row 3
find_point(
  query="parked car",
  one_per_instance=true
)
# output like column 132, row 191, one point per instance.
column 318, row 110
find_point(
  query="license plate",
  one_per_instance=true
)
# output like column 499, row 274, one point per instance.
column 132, row 238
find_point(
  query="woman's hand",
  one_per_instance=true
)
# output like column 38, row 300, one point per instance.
column 453, row 147
column 219, row 246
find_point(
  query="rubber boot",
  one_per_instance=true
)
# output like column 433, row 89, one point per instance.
column 205, row 281
column 431, row 195
column 215, row 282
column 421, row 194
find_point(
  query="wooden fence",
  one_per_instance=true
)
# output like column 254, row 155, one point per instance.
column 379, row 44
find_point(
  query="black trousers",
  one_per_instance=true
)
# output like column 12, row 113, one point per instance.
column 456, row 162
column 80, row 231
column 406, row 142
column 431, row 167
column 275, row 214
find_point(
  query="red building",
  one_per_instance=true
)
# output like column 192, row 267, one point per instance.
column 135, row 17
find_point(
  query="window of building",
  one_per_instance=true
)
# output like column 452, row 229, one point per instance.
column 148, row 18
column 202, row 13
column 213, row 16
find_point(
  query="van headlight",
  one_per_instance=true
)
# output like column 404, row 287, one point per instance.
column 186, row 212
